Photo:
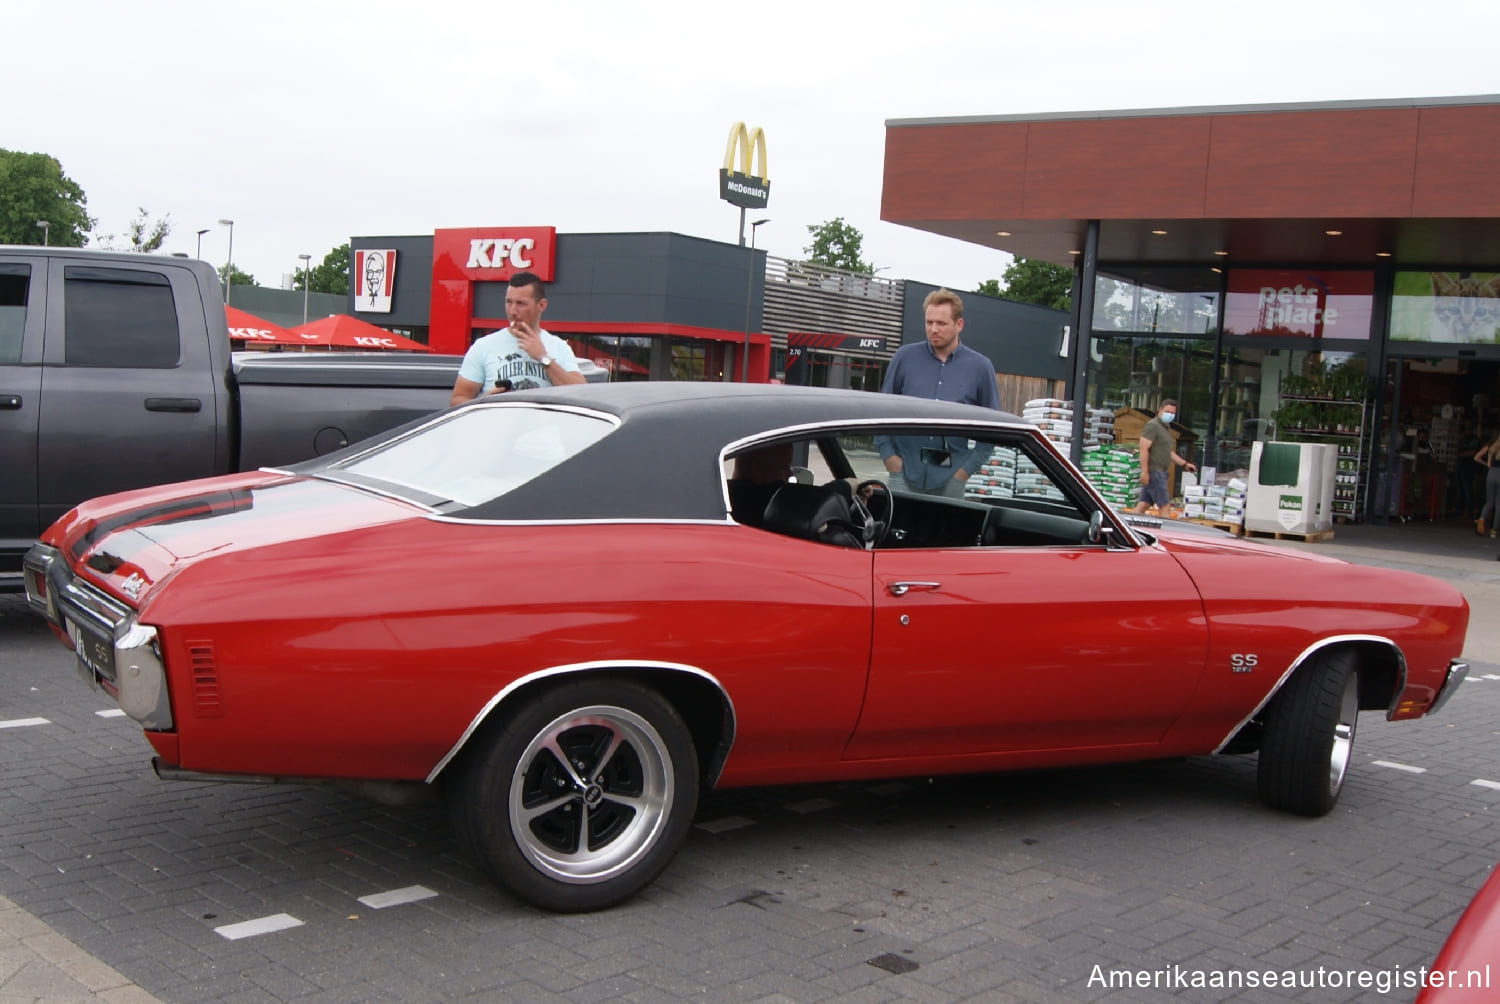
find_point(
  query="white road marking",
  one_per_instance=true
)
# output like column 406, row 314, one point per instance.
column 1492, row 676
column 1400, row 766
column 21, row 723
column 1486, row 784
column 725, row 824
column 260, row 925
column 411, row 894
column 110, row 713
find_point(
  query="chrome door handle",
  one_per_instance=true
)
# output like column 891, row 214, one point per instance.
column 902, row 588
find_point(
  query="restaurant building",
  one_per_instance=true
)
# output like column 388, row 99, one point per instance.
column 1325, row 272
column 665, row 306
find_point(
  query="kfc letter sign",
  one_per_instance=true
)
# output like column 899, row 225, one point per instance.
column 493, row 254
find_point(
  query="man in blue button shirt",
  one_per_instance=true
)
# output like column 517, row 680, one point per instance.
column 942, row 369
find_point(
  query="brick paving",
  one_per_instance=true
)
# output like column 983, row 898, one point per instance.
column 996, row 888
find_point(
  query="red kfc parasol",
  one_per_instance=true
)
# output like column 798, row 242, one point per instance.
column 350, row 332
column 246, row 327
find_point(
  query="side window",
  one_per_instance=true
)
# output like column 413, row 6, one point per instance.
column 14, row 282
column 118, row 317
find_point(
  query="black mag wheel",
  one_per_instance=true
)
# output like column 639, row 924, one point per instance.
column 583, row 798
column 1309, row 736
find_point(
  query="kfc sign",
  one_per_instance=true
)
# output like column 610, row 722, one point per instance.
column 375, row 275
column 494, row 254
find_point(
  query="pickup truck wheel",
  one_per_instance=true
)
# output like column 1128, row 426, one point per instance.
column 583, row 797
column 1309, row 736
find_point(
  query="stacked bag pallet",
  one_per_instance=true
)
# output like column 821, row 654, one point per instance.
column 1216, row 503
column 1054, row 417
column 1113, row 470
column 996, row 477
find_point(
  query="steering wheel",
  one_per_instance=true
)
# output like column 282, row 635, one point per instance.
column 876, row 503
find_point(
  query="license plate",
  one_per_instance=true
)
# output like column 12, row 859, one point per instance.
column 96, row 653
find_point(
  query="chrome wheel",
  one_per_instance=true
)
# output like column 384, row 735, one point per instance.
column 1343, row 734
column 591, row 794
column 1307, row 735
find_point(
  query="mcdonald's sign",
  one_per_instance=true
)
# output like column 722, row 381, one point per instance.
column 742, row 188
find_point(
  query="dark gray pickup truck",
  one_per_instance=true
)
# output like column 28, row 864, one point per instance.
column 116, row 373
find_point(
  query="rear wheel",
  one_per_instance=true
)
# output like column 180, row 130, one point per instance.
column 1309, row 736
column 583, row 797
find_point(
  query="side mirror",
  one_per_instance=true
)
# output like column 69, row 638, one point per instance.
column 802, row 475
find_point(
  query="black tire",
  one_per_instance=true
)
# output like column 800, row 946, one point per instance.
column 1309, row 735
column 571, row 838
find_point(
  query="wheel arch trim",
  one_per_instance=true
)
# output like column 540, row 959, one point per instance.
column 619, row 666
column 1316, row 647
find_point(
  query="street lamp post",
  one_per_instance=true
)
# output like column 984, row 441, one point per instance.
column 306, row 283
column 46, row 228
column 200, row 242
column 229, row 259
column 749, row 289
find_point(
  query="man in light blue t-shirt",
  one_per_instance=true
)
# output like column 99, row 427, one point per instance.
column 519, row 355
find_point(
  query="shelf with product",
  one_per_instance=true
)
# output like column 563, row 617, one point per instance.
column 1330, row 406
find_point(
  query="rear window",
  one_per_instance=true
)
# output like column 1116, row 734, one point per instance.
column 119, row 318
column 480, row 453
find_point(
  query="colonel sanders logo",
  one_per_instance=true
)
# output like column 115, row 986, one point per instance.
column 375, row 274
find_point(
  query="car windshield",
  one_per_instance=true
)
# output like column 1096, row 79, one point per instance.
column 478, row 454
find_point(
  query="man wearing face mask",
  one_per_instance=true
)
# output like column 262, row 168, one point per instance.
column 1157, row 458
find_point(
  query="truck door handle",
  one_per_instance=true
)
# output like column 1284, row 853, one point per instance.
column 902, row 588
column 173, row 404
column 10, row 402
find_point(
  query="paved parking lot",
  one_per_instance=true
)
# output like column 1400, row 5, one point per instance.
column 1030, row 887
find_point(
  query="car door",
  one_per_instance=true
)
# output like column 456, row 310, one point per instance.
column 128, row 389
column 995, row 648
column 23, row 281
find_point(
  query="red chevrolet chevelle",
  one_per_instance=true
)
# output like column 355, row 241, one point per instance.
column 570, row 608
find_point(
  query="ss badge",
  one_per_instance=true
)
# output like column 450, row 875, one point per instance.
column 1243, row 662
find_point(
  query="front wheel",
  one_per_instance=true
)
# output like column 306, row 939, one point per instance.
column 583, row 797
column 1309, row 735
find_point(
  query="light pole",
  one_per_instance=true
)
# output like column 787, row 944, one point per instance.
column 749, row 288
column 200, row 242
column 229, row 259
column 46, row 227
column 306, row 283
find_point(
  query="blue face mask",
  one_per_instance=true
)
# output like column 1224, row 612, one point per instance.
column 1167, row 417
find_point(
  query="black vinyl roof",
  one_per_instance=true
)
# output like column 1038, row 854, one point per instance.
column 663, row 460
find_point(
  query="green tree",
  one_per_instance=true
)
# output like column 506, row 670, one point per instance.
column 1041, row 282
column 332, row 276
column 990, row 287
column 142, row 235
column 838, row 245
column 33, row 187
column 240, row 278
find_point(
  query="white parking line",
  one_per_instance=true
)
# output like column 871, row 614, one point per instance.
column 21, row 723
column 1400, row 766
column 725, row 824
column 1492, row 676
column 110, row 713
column 411, row 894
column 261, row 925
column 1486, row 784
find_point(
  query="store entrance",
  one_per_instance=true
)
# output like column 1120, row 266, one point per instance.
column 1435, row 413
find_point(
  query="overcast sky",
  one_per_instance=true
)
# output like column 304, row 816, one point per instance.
column 311, row 122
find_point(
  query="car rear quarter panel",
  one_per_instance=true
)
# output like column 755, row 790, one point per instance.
column 1275, row 604
column 368, row 654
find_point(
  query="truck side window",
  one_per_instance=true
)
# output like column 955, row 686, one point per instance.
column 14, row 280
column 119, row 317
